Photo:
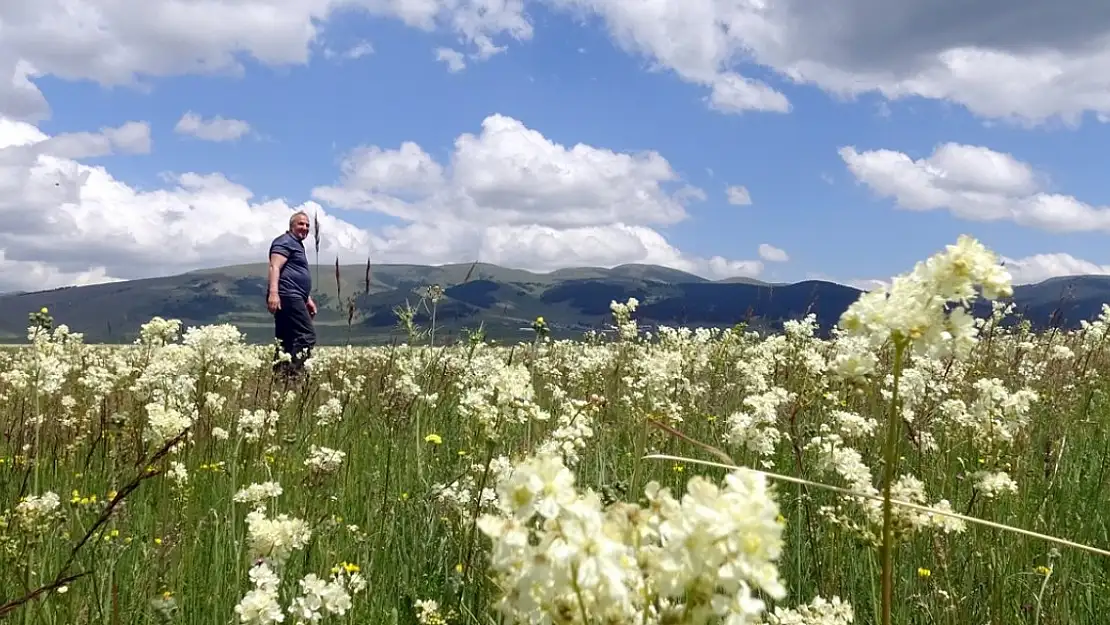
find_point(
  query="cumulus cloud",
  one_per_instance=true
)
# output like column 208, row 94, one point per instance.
column 738, row 196
column 357, row 51
column 509, row 195
column 1023, row 60
column 453, row 59
column 217, row 129
column 118, row 43
column 73, row 223
column 1025, row 270
column 1039, row 267
column 973, row 183
column 23, row 143
column 772, row 254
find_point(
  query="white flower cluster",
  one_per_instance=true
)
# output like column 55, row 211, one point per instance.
column 561, row 556
column 913, row 307
column 323, row 460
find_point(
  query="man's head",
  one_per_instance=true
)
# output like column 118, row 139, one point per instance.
column 299, row 225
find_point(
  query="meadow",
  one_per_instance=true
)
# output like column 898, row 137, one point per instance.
column 920, row 466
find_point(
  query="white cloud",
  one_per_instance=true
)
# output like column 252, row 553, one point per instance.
column 357, row 51
column 1038, row 267
column 509, row 195
column 1021, row 60
column 456, row 61
column 116, row 43
column 772, row 254
column 738, row 196
column 452, row 58
column 1026, row 60
column 1026, row 270
column 973, row 183
column 24, row 142
column 71, row 223
column 216, row 129
column 863, row 284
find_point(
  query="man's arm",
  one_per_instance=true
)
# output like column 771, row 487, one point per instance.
column 277, row 261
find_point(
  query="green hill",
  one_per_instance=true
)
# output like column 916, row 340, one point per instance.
column 503, row 301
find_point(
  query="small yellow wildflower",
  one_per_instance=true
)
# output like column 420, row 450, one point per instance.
column 923, row 572
column 433, row 439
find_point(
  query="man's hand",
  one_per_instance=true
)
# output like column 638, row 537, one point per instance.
column 273, row 302
column 311, row 305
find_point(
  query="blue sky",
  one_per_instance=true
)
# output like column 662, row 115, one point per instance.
column 574, row 82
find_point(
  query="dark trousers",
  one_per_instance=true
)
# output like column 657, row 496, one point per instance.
column 293, row 328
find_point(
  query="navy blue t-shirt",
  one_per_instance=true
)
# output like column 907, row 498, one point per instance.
column 295, row 279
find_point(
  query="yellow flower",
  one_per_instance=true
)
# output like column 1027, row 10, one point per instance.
column 1044, row 570
column 433, row 439
column 923, row 572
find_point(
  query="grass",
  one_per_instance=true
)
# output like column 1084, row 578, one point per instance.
column 169, row 553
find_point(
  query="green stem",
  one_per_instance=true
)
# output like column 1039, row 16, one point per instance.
column 890, row 455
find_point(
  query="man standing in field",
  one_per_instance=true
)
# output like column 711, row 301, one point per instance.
column 287, row 294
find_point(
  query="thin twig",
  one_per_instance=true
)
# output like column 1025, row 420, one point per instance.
column 62, row 578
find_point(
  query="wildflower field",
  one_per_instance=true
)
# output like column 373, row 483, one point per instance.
column 919, row 466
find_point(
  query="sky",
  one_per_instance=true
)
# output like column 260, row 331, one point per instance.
column 783, row 140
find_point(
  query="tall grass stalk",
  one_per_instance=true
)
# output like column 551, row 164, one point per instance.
column 890, row 459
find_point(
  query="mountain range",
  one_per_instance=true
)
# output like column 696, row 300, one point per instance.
column 503, row 302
